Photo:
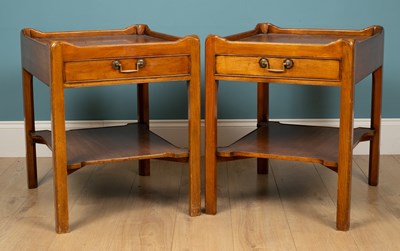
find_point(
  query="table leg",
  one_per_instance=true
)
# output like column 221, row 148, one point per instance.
column 194, row 115
column 31, row 166
column 211, row 95
column 376, row 108
column 194, row 146
column 211, row 148
column 143, row 118
column 262, row 116
column 345, row 156
column 59, row 160
column 59, row 149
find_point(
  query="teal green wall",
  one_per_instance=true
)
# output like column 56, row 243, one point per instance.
column 182, row 17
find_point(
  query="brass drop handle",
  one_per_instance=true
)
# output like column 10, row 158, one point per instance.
column 118, row 66
column 286, row 64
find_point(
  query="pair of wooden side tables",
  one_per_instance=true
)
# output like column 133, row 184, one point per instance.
column 264, row 55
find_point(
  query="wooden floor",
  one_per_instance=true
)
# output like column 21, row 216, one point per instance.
column 112, row 208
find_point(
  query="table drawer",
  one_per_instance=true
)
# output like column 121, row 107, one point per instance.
column 275, row 67
column 126, row 68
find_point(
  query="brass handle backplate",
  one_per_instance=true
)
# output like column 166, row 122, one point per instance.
column 286, row 64
column 118, row 66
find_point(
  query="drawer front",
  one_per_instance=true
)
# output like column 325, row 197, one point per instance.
column 126, row 68
column 273, row 67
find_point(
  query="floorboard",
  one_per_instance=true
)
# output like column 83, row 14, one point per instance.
column 113, row 208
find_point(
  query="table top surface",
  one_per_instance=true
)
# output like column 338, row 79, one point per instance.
column 135, row 34
column 104, row 40
column 299, row 38
column 270, row 34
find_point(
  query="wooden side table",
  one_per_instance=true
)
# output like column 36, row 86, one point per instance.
column 269, row 54
column 108, row 57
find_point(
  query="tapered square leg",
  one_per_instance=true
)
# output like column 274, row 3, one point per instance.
column 211, row 92
column 376, row 107
column 262, row 116
column 143, row 118
column 345, row 151
column 31, row 166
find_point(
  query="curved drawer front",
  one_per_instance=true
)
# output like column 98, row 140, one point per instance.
column 274, row 67
column 126, row 68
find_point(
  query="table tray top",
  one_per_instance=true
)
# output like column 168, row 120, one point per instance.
column 104, row 40
column 309, row 49
column 269, row 33
column 298, row 39
column 42, row 51
column 135, row 34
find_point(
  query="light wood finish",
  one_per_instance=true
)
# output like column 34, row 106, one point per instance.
column 320, row 57
column 194, row 115
column 154, row 67
column 211, row 111
column 186, row 230
column 114, row 208
column 249, row 67
column 85, row 58
column 384, row 215
column 259, row 218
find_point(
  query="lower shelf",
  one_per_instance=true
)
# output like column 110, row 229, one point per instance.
column 292, row 142
column 111, row 144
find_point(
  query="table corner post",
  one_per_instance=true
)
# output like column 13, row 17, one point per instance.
column 29, row 121
column 376, row 110
column 262, row 116
column 194, row 116
column 143, row 118
column 211, row 130
column 59, row 148
column 346, row 131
